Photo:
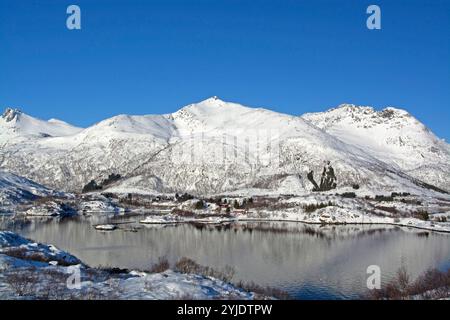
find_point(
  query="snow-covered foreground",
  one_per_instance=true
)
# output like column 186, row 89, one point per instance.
column 29, row 270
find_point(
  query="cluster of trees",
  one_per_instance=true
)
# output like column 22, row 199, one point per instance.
column 314, row 206
column 111, row 179
column 183, row 197
column 200, row 204
column 242, row 205
column 93, row 186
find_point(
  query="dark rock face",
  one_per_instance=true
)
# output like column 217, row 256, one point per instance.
column 10, row 114
column 311, row 179
column 328, row 181
column 91, row 186
column 111, row 179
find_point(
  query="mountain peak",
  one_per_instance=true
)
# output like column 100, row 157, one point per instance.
column 11, row 113
column 20, row 123
column 352, row 108
column 390, row 112
column 363, row 116
column 213, row 101
column 386, row 112
column 211, row 104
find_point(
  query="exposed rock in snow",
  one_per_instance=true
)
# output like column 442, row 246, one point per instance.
column 99, row 205
column 50, row 208
column 10, row 114
column 327, row 181
column 105, row 227
column 173, row 219
column 165, row 219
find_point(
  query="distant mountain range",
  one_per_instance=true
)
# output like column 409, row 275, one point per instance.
column 220, row 147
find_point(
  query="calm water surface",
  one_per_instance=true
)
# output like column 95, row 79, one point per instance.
column 308, row 261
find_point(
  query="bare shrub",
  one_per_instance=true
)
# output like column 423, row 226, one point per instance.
column 183, row 213
column 392, row 210
column 23, row 282
column 26, row 254
column 44, row 200
column 160, row 266
column 403, row 279
column 184, row 296
column 383, row 198
column 422, row 215
column 186, row 265
column 263, row 292
column 52, row 285
column 199, row 205
column 16, row 252
column 432, row 279
column 348, row 195
column 432, row 284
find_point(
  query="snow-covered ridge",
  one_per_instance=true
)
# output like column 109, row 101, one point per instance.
column 15, row 189
column 14, row 121
column 215, row 146
column 391, row 135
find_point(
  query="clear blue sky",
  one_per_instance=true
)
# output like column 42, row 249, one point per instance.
column 143, row 57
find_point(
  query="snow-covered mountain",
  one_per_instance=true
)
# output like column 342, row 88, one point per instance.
column 14, row 123
column 208, row 147
column 15, row 189
column 391, row 135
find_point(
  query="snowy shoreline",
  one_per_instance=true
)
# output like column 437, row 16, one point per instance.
column 346, row 223
column 412, row 223
column 31, row 270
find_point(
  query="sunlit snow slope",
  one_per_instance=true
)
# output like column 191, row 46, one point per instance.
column 391, row 135
column 211, row 147
column 15, row 189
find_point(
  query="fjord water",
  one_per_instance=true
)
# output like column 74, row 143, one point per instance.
column 308, row 261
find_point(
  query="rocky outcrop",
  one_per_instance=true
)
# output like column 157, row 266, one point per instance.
column 328, row 181
column 10, row 114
